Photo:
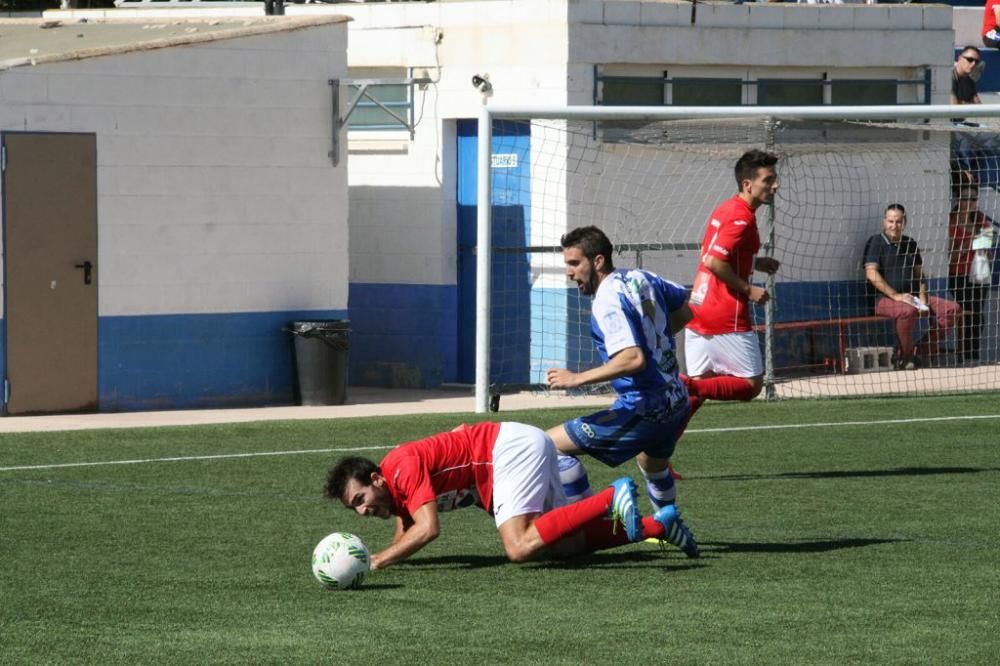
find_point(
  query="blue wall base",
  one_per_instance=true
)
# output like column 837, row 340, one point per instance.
column 155, row 362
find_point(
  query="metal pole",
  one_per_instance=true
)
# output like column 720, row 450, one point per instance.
column 769, row 392
column 484, row 251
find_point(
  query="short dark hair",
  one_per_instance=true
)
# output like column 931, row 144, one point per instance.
column 747, row 165
column 357, row 468
column 592, row 242
column 896, row 206
column 970, row 47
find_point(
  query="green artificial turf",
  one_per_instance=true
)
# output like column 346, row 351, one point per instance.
column 829, row 536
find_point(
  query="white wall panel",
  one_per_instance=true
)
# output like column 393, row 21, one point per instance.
column 216, row 192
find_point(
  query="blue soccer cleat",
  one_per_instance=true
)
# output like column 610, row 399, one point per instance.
column 625, row 508
column 677, row 532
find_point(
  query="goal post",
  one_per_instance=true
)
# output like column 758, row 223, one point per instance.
column 650, row 176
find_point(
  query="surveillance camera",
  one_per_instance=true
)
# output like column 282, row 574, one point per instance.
column 481, row 82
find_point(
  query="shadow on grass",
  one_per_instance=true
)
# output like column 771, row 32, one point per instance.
column 377, row 586
column 589, row 561
column 455, row 562
column 850, row 474
column 822, row 546
column 619, row 560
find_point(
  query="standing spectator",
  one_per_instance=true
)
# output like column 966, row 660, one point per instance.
column 963, row 86
column 721, row 348
column 991, row 14
column 965, row 224
column 894, row 269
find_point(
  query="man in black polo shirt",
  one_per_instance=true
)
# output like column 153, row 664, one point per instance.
column 893, row 268
column 963, row 86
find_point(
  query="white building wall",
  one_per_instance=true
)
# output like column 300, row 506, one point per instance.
column 403, row 205
column 544, row 51
column 216, row 192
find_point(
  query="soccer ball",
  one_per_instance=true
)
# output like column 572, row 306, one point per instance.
column 341, row 561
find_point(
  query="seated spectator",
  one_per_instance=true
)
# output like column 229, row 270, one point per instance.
column 991, row 14
column 963, row 85
column 894, row 269
column 965, row 224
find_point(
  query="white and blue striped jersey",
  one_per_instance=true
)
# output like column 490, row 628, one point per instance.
column 632, row 309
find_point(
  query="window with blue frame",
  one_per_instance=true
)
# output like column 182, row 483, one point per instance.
column 790, row 92
column 632, row 91
column 703, row 91
column 857, row 92
column 732, row 91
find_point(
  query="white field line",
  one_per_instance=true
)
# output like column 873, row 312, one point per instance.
column 222, row 456
column 219, row 456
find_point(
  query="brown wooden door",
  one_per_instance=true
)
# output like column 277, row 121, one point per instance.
column 50, row 266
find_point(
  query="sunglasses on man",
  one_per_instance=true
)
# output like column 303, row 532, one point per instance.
column 974, row 61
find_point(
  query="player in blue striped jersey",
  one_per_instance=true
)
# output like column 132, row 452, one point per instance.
column 634, row 316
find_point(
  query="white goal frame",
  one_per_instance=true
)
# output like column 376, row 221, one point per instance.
column 490, row 113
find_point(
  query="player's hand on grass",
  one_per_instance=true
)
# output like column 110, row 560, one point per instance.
column 561, row 378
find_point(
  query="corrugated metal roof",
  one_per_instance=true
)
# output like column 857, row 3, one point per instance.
column 37, row 41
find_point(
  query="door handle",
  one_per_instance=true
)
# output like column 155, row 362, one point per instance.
column 87, row 268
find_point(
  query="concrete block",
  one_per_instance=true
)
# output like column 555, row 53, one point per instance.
column 867, row 359
column 659, row 13
column 586, row 11
column 967, row 23
column 809, row 17
column 24, row 85
column 723, row 16
column 876, row 17
column 937, row 17
column 908, row 17
column 766, row 16
column 622, row 13
column 838, row 17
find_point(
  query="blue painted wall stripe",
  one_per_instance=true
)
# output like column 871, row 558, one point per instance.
column 403, row 335
column 193, row 361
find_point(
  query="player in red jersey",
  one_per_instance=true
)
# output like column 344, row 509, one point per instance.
column 508, row 469
column 721, row 349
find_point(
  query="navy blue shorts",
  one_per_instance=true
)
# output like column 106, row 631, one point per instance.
column 617, row 435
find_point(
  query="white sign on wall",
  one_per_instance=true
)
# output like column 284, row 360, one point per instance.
column 504, row 161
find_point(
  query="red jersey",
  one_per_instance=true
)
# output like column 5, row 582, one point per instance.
column 961, row 241
column 453, row 469
column 731, row 236
column 989, row 17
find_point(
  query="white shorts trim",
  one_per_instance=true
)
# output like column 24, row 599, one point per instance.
column 733, row 354
column 525, row 473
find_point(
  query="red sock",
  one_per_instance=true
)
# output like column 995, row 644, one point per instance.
column 724, row 387
column 652, row 529
column 601, row 533
column 560, row 523
column 689, row 384
column 694, row 404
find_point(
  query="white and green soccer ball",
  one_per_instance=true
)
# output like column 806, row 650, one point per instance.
column 341, row 561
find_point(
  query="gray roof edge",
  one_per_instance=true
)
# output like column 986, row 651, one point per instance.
column 253, row 26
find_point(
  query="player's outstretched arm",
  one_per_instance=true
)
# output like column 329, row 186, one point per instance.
column 626, row 362
column 425, row 528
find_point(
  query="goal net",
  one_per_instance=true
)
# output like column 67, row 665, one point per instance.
column 650, row 179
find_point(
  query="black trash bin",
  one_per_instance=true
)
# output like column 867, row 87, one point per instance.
column 321, row 360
